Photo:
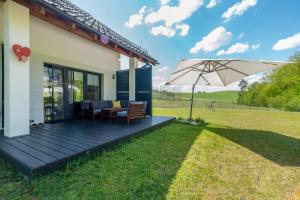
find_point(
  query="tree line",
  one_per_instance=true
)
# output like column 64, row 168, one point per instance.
column 280, row 89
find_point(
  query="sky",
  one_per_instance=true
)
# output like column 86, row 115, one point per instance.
column 172, row 30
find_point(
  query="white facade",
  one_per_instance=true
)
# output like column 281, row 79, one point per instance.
column 49, row 44
column 1, row 71
column 16, row 73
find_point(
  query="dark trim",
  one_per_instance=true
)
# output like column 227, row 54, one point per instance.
column 70, row 68
column 122, row 85
column 64, row 14
column 84, row 85
column 2, row 98
column 65, row 70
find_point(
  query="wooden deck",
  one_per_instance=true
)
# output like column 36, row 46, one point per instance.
column 52, row 146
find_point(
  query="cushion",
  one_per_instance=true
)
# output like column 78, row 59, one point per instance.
column 97, row 110
column 122, row 114
column 116, row 104
column 101, row 104
column 145, row 106
column 105, row 104
column 124, row 103
column 136, row 102
column 95, row 105
column 85, row 105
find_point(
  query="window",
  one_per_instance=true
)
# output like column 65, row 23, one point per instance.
column 75, row 86
column 78, row 86
column 65, row 88
column 93, row 87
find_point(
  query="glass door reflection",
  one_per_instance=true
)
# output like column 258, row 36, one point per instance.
column 58, row 94
column 53, row 94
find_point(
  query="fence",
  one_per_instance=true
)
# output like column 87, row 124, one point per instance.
column 206, row 104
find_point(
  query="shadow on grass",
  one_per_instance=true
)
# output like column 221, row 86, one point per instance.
column 280, row 149
column 143, row 168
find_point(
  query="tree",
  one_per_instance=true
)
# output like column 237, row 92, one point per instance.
column 243, row 85
column 281, row 90
column 295, row 57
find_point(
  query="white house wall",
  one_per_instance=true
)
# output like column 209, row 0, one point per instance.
column 51, row 44
column 16, row 74
column 1, row 22
column 1, row 41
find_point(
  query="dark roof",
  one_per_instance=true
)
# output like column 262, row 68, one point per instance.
column 84, row 19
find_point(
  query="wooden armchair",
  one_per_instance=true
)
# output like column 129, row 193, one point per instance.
column 135, row 111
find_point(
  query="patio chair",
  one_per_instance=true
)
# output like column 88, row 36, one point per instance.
column 135, row 111
column 85, row 108
column 145, row 108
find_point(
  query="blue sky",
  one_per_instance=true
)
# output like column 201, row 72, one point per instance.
column 170, row 29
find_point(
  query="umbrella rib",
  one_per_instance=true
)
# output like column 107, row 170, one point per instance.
column 218, row 73
column 193, row 67
column 223, row 65
column 179, row 76
column 205, row 80
column 205, row 66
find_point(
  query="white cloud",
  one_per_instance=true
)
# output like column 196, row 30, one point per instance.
column 136, row 19
column 236, row 48
column 164, row 2
column 212, row 3
column 184, row 29
column 213, row 41
column 163, row 69
column 167, row 20
column 238, row 9
column 287, row 43
column 172, row 15
column 255, row 78
column 241, row 35
column 158, row 82
column 255, row 46
column 163, row 30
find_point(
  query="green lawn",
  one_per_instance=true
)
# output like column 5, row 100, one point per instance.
column 223, row 96
column 240, row 154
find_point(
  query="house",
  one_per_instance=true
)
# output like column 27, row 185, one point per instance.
column 54, row 54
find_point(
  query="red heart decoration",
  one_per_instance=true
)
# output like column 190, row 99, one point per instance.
column 22, row 53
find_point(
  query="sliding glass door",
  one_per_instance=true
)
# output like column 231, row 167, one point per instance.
column 53, row 94
column 93, row 87
column 75, row 91
column 65, row 88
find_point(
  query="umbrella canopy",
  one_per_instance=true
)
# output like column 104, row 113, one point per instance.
column 218, row 72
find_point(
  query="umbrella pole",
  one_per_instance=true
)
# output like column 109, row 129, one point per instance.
column 192, row 102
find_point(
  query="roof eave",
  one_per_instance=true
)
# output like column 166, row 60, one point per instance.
column 147, row 59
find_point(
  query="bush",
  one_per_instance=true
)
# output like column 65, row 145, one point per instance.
column 281, row 90
column 293, row 105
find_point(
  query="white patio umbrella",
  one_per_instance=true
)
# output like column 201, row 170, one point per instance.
column 217, row 72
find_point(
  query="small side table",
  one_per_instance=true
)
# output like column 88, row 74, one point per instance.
column 111, row 113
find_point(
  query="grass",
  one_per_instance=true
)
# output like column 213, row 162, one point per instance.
column 140, row 169
column 240, row 154
column 222, row 96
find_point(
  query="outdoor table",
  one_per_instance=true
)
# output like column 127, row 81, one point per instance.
column 111, row 113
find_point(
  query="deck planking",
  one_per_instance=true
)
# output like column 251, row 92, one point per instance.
column 52, row 146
